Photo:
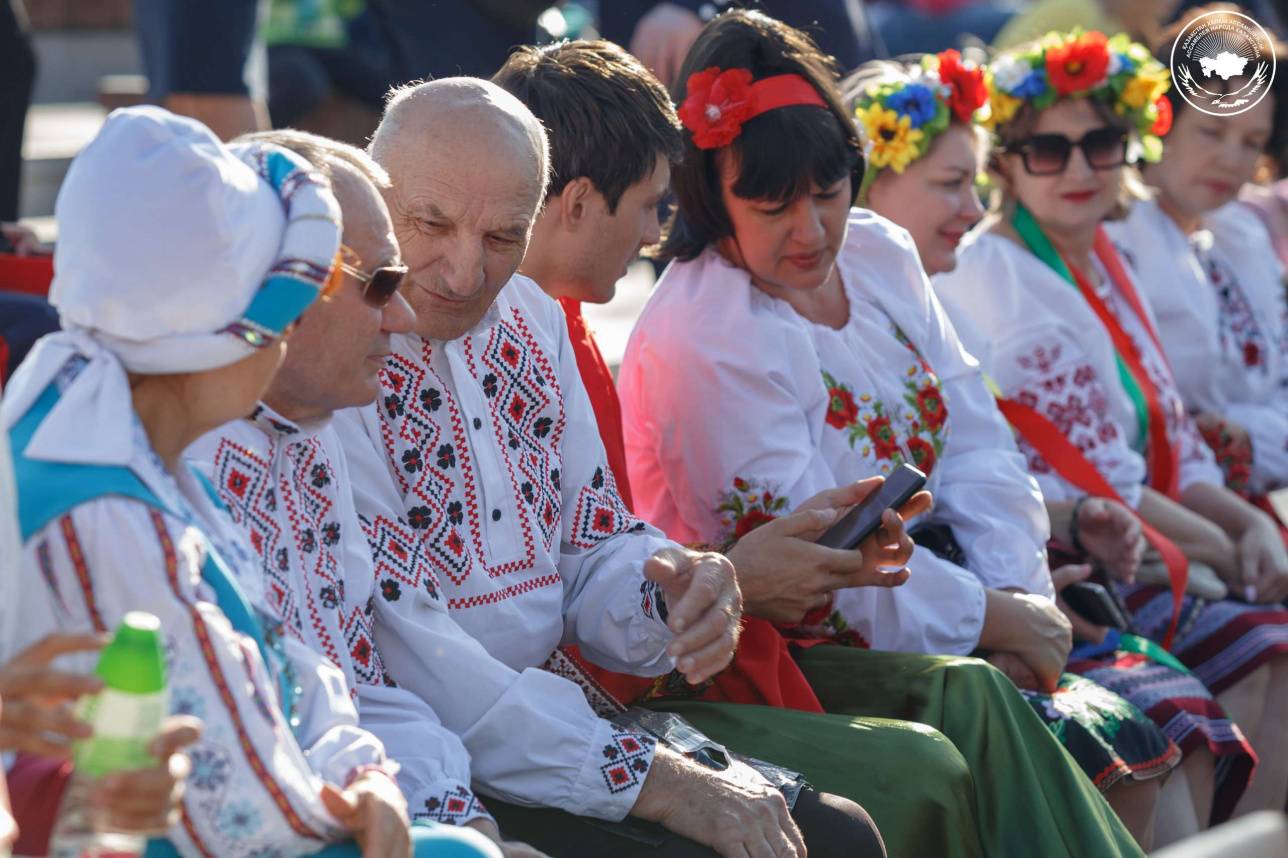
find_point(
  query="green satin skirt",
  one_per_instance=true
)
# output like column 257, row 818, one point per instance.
column 942, row 751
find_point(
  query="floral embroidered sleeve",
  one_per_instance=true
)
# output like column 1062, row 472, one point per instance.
column 985, row 493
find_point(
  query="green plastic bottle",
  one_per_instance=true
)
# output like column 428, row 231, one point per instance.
column 126, row 716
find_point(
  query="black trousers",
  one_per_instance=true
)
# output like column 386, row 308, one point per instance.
column 833, row 827
column 17, row 74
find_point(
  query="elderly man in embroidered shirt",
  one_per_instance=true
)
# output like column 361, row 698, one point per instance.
column 484, row 488
column 284, row 478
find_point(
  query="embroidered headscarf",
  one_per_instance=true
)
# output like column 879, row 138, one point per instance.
column 176, row 253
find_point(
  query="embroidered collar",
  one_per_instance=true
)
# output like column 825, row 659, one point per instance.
column 271, row 423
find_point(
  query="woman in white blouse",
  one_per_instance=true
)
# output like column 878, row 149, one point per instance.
column 793, row 345
column 935, row 199
column 1216, row 285
column 1070, row 341
column 182, row 264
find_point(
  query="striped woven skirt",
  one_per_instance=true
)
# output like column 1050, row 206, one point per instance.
column 1220, row 643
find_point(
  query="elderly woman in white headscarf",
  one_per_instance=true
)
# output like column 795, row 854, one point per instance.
column 181, row 266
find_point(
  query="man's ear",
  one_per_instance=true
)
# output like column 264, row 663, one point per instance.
column 573, row 202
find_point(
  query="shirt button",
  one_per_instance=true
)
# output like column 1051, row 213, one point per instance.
column 478, row 424
column 496, row 515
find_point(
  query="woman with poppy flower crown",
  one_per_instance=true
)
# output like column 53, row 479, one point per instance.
column 1218, row 291
column 799, row 338
column 934, row 198
column 1075, row 354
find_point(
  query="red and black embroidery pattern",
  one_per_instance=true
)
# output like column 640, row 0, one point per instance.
column 453, row 807
column 1240, row 333
column 425, row 439
column 627, row 758
column 305, row 495
column 601, row 513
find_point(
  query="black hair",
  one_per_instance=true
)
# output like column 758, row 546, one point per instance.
column 779, row 153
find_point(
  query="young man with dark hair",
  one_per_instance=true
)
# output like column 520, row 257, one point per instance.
column 600, row 210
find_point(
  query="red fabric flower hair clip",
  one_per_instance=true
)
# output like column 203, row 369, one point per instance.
column 719, row 102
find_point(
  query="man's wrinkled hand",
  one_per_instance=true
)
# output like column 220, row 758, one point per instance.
column 704, row 609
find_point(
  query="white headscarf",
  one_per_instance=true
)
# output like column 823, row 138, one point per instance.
column 175, row 254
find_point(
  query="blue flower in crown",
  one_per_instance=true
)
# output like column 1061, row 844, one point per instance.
column 915, row 101
column 1033, row 85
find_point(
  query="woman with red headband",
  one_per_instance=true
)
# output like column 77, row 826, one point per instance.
column 1081, row 374
column 748, row 387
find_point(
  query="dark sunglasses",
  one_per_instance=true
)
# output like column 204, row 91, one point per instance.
column 1048, row 154
column 377, row 286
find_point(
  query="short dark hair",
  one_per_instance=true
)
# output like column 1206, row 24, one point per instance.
column 607, row 117
column 1277, row 144
column 779, row 152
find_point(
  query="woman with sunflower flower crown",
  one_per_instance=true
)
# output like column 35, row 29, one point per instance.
column 934, row 197
column 1057, row 316
column 801, row 342
column 1217, row 292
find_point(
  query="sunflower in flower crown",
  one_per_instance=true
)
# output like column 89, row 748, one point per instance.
column 1114, row 70
column 901, row 119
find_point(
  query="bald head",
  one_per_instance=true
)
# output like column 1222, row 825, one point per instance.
column 457, row 112
column 468, row 164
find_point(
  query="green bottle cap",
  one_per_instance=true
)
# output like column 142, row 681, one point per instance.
column 134, row 661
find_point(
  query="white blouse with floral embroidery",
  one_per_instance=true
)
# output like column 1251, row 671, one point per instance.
column 736, row 408
column 1218, row 296
column 1047, row 349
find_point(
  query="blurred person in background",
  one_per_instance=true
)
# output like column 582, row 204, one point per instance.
column 17, row 74
column 202, row 60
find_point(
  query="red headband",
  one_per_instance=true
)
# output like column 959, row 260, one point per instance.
column 719, row 102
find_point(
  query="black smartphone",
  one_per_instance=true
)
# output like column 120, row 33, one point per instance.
column 862, row 521
column 1093, row 602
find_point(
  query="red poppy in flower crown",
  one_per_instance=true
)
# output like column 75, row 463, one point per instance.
column 717, row 105
column 1163, row 123
column 969, row 90
column 1079, row 64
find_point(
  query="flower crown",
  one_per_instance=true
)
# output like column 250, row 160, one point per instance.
column 1116, row 71
column 901, row 119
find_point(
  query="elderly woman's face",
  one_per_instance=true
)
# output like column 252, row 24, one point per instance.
column 1206, row 159
column 463, row 208
column 934, row 198
column 787, row 246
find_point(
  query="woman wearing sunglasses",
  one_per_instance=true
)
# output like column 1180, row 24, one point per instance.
column 933, row 196
column 801, row 350
column 1073, row 349
column 1215, row 284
